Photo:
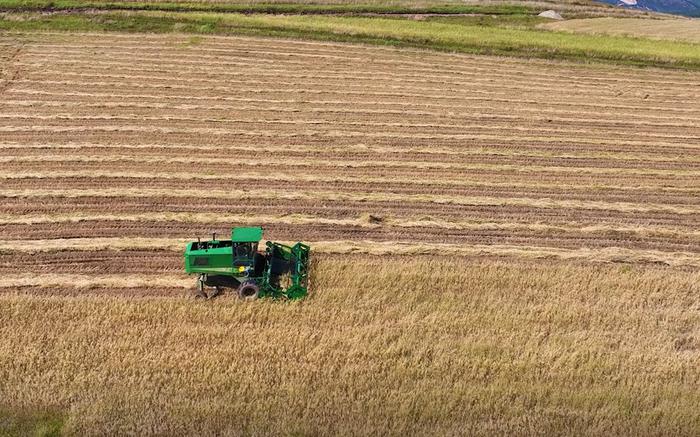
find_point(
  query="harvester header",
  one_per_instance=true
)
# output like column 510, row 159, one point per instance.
column 278, row 271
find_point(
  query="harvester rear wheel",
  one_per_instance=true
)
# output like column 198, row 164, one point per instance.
column 248, row 290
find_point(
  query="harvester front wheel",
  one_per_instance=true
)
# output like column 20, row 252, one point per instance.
column 248, row 290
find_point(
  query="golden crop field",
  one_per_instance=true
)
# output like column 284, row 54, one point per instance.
column 500, row 245
column 679, row 29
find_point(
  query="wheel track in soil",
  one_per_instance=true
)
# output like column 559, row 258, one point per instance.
column 366, row 220
column 568, row 239
column 651, row 195
column 303, row 109
column 271, row 76
column 117, row 133
column 349, row 86
column 392, row 156
column 38, row 176
column 63, row 122
column 245, row 194
column 446, row 151
column 329, row 95
column 259, row 138
column 689, row 260
column 140, row 261
column 71, row 95
column 369, row 160
column 81, row 110
column 513, row 214
column 612, row 104
column 11, row 71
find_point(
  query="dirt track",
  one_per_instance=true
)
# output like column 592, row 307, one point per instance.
column 115, row 135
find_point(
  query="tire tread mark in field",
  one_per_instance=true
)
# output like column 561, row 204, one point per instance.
column 10, row 71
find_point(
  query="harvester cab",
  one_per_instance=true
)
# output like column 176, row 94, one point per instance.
column 279, row 271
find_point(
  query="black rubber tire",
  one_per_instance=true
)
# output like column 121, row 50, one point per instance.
column 248, row 290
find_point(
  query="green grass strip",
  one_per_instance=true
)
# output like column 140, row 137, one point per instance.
column 41, row 423
column 266, row 8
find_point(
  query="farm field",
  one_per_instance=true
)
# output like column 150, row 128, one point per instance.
column 572, row 8
column 500, row 245
column 669, row 29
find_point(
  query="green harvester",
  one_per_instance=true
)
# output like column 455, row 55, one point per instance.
column 279, row 271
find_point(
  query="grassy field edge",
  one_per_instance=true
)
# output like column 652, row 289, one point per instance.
column 472, row 39
column 29, row 421
column 269, row 8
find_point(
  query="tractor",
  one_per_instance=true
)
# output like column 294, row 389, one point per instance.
column 279, row 271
